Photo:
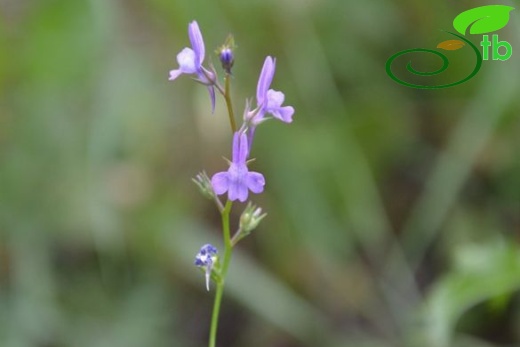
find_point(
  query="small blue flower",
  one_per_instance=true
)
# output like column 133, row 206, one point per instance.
column 206, row 259
column 190, row 62
column 238, row 180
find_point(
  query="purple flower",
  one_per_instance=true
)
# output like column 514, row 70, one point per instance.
column 206, row 259
column 190, row 61
column 237, row 181
column 269, row 100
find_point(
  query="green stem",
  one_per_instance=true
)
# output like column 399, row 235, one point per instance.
column 225, row 264
column 227, row 237
column 214, row 316
column 237, row 237
column 227, row 96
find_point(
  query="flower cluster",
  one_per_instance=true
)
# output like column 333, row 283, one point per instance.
column 237, row 181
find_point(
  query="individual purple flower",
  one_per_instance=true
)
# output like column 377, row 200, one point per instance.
column 269, row 100
column 190, row 62
column 206, row 259
column 238, row 180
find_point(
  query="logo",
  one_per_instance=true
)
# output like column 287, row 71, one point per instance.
column 480, row 21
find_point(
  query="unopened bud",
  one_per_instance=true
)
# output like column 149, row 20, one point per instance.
column 250, row 218
column 203, row 182
column 225, row 54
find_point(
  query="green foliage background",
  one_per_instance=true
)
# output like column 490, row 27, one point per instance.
column 394, row 213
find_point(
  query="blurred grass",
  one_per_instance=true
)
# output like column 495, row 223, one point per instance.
column 386, row 204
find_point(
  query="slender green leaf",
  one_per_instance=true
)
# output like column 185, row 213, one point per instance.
column 483, row 273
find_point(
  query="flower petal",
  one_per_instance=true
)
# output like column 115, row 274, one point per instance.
column 266, row 77
column 274, row 98
column 237, row 190
column 174, row 74
column 255, row 181
column 197, row 42
column 186, row 60
column 240, row 149
column 236, row 147
column 284, row 113
column 242, row 193
column 274, row 103
column 220, row 182
column 243, row 149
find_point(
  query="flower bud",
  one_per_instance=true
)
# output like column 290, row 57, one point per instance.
column 227, row 59
column 203, row 182
column 250, row 218
column 225, row 54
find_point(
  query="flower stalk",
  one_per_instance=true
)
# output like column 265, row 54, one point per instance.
column 229, row 104
column 225, row 265
column 238, row 180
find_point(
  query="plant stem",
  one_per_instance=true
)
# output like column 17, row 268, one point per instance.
column 227, row 96
column 214, row 316
column 225, row 229
column 225, row 264
column 237, row 237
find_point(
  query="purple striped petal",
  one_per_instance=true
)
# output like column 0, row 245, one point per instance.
column 186, row 59
column 237, row 190
column 174, row 74
column 197, row 42
column 284, row 113
column 275, row 100
column 240, row 148
column 255, row 182
column 266, row 77
column 220, row 182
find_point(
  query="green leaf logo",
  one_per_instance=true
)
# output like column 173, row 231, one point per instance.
column 482, row 20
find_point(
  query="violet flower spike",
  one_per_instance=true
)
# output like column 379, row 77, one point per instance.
column 190, row 62
column 238, row 180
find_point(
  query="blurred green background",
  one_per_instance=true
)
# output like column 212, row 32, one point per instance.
column 393, row 213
